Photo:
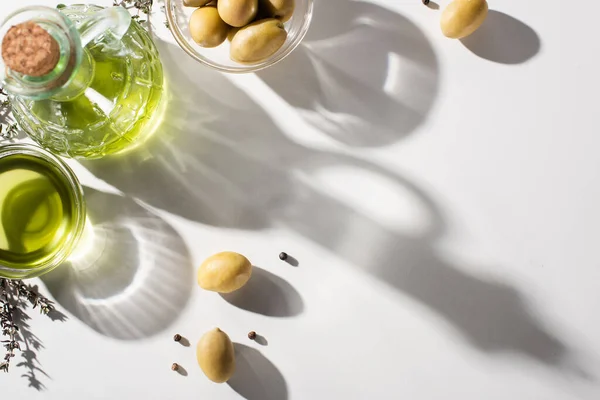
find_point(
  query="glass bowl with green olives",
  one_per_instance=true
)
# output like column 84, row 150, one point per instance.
column 239, row 36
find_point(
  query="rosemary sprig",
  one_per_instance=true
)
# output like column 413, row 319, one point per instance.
column 14, row 296
column 8, row 129
column 142, row 6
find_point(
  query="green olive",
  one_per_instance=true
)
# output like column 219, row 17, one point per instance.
column 280, row 9
column 207, row 28
column 463, row 17
column 224, row 272
column 216, row 356
column 195, row 3
column 258, row 41
column 237, row 12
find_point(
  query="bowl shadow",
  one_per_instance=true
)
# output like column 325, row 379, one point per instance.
column 364, row 75
column 503, row 39
column 267, row 294
column 131, row 275
column 255, row 377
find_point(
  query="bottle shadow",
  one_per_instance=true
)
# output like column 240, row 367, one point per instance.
column 255, row 377
column 132, row 274
column 364, row 75
column 267, row 294
column 503, row 39
column 220, row 160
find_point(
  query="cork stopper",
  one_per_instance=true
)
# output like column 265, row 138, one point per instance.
column 29, row 49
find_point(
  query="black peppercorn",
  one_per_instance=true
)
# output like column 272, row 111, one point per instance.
column 177, row 337
column 283, row 256
column 252, row 335
column 426, row 2
column 174, row 367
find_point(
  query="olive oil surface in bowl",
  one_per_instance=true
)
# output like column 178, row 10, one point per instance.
column 37, row 207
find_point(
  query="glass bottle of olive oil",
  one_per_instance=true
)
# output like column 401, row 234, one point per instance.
column 96, row 89
column 41, row 211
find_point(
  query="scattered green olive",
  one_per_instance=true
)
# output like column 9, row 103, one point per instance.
column 207, row 28
column 258, row 41
column 216, row 356
column 280, row 9
column 224, row 272
column 237, row 12
column 463, row 17
column 195, row 3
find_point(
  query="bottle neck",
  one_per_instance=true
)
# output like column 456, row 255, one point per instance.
column 78, row 81
column 72, row 72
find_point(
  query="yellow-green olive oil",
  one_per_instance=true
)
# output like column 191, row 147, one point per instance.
column 37, row 210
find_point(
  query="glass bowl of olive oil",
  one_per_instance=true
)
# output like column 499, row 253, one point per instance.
column 42, row 211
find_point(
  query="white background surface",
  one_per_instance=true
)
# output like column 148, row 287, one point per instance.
column 442, row 199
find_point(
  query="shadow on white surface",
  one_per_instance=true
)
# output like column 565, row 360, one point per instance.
column 433, row 5
column 364, row 74
column 182, row 371
column 188, row 166
column 133, row 276
column 220, row 160
column 255, row 377
column 30, row 345
column 260, row 339
column 492, row 315
column 504, row 39
column 267, row 294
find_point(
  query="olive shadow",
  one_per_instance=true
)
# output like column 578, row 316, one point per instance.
column 364, row 75
column 503, row 39
column 267, row 294
column 220, row 160
column 255, row 377
column 131, row 275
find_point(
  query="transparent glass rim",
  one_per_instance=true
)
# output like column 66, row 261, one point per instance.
column 79, row 210
column 242, row 69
